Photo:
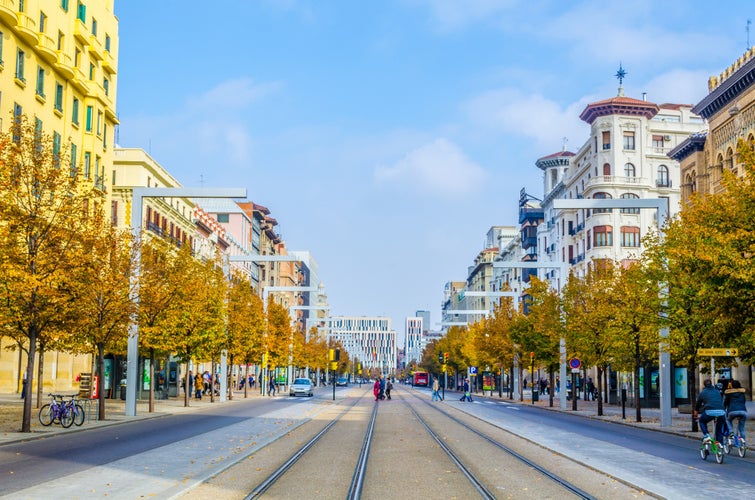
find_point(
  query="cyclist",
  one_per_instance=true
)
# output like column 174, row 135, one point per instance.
column 735, row 403
column 712, row 405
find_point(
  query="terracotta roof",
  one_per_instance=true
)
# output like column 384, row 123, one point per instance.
column 677, row 107
column 619, row 105
column 557, row 155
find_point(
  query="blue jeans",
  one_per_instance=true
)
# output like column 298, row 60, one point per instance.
column 742, row 416
column 706, row 417
column 435, row 396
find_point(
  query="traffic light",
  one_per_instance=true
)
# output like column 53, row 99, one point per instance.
column 338, row 355
column 445, row 358
column 331, row 354
column 440, row 357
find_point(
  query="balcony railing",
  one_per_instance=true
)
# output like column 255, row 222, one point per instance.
column 663, row 183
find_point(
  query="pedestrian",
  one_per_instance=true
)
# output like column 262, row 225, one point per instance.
column 24, row 383
column 467, row 396
column 590, row 389
column 376, row 388
column 198, row 385
column 271, row 391
column 436, row 386
column 388, row 387
column 558, row 384
column 382, row 387
column 206, row 382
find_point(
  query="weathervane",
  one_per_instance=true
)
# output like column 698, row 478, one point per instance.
column 621, row 74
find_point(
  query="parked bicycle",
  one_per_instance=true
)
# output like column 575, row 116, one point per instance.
column 61, row 411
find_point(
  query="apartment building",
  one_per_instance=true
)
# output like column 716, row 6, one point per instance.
column 413, row 344
column 58, row 61
column 369, row 339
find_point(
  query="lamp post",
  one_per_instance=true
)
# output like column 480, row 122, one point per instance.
column 137, row 205
column 661, row 207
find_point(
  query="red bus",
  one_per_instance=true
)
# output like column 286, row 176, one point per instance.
column 421, row 379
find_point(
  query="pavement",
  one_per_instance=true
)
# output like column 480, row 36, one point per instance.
column 11, row 411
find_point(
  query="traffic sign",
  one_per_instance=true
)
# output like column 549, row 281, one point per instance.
column 575, row 363
column 473, row 370
column 718, row 351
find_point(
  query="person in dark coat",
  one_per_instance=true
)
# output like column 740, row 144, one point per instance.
column 735, row 404
column 710, row 406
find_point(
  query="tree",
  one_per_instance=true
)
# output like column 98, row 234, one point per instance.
column 246, row 324
column 102, row 289
column 635, row 325
column 43, row 202
column 588, row 311
column 279, row 335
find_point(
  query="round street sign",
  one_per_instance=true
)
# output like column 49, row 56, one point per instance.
column 575, row 363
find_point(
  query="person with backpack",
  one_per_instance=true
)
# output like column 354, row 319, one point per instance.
column 467, row 396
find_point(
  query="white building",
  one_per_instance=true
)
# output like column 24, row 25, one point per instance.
column 370, row 339
column 624, row 157
column 413, row 339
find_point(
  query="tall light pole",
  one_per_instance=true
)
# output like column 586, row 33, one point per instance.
column 661, row 205
column 137, row 205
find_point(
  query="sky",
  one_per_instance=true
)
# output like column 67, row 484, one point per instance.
column 387, row 137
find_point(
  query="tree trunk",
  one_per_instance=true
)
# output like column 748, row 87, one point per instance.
column 246, row 382
column 100, row 381
column 187, row 375
column 692, row 391
column 26, row 419
column 637, row 410
column 552, row 384
column 151, row 380
column 40, row 376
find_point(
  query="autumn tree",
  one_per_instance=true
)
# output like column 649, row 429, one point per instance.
column 279, row 335
column 588, row 311
column 496, row 339
column 246, row 324
column 43, row 203
column 635, row 325
column 101, row 286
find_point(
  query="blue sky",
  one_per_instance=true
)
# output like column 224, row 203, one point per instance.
column 386, row 137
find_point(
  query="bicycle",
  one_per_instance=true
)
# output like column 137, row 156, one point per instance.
column 734, row 440
column 56, row 411
column 76, row 410
column 715, row 446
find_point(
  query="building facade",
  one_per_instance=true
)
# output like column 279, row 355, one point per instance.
column 369, row 339
column 413, row 344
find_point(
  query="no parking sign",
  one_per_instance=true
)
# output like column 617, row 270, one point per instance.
column 575, row 364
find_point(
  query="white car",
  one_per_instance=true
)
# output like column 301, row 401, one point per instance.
column 301, row 386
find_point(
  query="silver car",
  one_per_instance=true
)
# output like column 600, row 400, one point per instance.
column 301, row 386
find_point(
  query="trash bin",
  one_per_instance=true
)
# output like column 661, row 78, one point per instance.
column 535, row 395
column 123, row 392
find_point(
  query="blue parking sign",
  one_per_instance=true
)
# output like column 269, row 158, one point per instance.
column 473, row 370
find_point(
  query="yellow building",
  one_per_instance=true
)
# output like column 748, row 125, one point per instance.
column 58, row 67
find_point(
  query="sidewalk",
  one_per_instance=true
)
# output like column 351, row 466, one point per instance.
column 11, row 413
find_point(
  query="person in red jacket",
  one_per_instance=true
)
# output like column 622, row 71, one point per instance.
column 376, row 388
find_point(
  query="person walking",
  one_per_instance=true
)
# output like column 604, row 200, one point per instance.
column 436, row 386
column 198, row 385
column 388, row 387
column 467, row 396
column 382, row 387
column 376, row 388
column 271, row 388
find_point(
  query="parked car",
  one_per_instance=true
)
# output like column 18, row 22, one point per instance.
column 342, row 381
column 301, row 386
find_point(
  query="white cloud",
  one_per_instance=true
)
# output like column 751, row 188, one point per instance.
column 451, row 15
column 439, row 167
column 678, row 86
column 512, row 113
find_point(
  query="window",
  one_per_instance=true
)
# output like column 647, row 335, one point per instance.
column 42, row 22
column 64, row 5
column 58, row 97
column 87, row 164
column 81, row 12
column 114, row 212
column 38, row 126
column 90, row 113
column 21, row 5
column 91, row 71
column 20, row 65
column 630, row 236
column 94, row 26
column 104, row 137
column 606, row 140
column 56, row 149
column 663, row 180
column 606, row 169
column 74, row 159
column 630, row 196
column 106, row 86
column 223, row 218
column 602, row 236
column 629, row 140
column 99, row 122
column 1, row 48
column 76, row 57
column 107, row 43
column 602, row 196
column 658, row 143
column 40, row 81
column 75, row 112
column 629, row 170
column 61, row 40
column 18, row 111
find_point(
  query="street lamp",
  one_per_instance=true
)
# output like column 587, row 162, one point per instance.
column 661, row 205
column 137, row 203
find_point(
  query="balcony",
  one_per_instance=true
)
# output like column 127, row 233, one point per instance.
column 95, row 48
column 27, row 28
column 64, row 66
column 108, row 63
column 47, row 48
column 8, row 13
column 81, row 32
column 615, row 180
column 79, row 81
column 663, row 183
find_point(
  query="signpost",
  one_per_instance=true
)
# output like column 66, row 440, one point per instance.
column 574, row 364
column 714, row 352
